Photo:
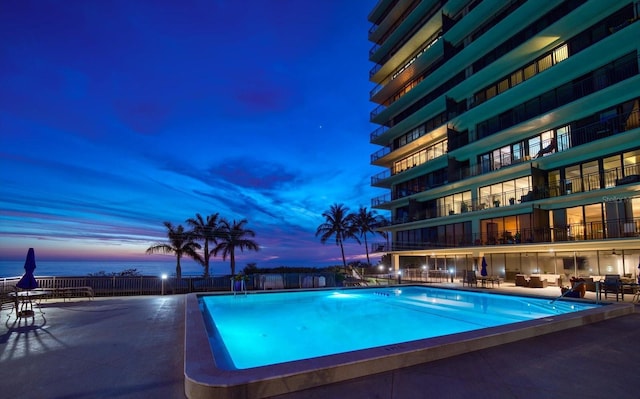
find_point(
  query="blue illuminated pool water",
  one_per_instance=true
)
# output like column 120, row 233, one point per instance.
column 255, row 330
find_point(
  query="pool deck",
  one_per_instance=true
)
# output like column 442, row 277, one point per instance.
column 133, row 347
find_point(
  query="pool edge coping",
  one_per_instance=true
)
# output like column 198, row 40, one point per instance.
column 204, row 380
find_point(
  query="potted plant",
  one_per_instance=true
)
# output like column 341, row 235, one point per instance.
column 464, row 207
column 512, row 201
column 496, row 202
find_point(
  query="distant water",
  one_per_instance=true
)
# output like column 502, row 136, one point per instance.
column 83, row 268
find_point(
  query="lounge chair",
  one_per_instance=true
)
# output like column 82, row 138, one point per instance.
column 470, row 278
column 537, row 282
column 521, row 280
column 612, row 284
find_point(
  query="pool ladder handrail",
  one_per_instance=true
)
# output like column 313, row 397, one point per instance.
column 579, row 283
column 243, row 287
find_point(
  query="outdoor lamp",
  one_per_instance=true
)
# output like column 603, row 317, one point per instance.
column 164, row 277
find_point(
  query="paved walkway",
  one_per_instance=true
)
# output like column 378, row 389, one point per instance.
column 132, row 347
column 122, row 347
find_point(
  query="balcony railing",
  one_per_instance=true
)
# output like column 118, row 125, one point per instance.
column 612, row 177
column 611, row 229
column 380, row 153
column 379, row 200
column 376, row 111
column 380, row 176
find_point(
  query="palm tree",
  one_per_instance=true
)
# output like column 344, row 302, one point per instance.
column 180, row 243
column 337, row 223
column 365, row 222
column 234, row 235
column 207, row 231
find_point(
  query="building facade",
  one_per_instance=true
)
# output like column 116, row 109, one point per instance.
column 508, row 130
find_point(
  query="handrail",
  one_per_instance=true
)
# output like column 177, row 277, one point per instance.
column 576, row 285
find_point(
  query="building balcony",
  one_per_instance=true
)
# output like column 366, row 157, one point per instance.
column 608, row 230
column 608, row 178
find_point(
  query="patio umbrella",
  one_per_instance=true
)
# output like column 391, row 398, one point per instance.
column 28, row 282
column 483, row 271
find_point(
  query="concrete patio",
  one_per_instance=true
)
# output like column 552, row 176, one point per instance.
column 132, row 347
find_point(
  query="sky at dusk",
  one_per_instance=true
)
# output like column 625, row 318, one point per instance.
column 118, row 115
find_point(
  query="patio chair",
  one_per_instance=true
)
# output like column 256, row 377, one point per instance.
column 537, row 282
column 612, row 285
column 9, row 301
column 521, row 280
column 470, row 278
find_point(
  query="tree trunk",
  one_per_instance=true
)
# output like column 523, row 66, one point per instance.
column 206, row 258
column 366, row 248
column 232, row 257
column 178, row 268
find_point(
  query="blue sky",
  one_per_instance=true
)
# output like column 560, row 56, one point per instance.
column 118, row 115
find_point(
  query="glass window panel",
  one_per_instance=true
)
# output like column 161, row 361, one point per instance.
column 491, row 92
column 496, row 194
column 534, row 145
column 529, row 71
column 554, row 183
column 561, row 53
column 522, row 187
column 485, row 162
column 544, row 63
column 485, row 197
column 590, row 176
column 572, row 179
column 517, row 152
column 594, row 228
column 503, row 85
column 631, row 161
column 516, row 78
column 564, row 138
column 496, row 159
column 509, row 190
column 612, row 170
column 505, row 155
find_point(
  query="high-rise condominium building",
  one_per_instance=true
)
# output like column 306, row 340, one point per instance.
column 509, row 131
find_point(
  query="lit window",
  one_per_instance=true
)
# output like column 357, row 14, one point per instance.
column 491, row 92
column 561, row 53
column 516, row 78
column 544, row 63
column 529, row 71
column 503, row 85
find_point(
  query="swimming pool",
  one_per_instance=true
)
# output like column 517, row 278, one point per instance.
column 265, row 344
column 258, row 330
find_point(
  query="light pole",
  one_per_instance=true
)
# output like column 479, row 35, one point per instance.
column 164, row 277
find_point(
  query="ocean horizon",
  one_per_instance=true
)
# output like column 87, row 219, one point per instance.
column 84, row 268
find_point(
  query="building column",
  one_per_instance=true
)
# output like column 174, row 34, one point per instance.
column 395, row 262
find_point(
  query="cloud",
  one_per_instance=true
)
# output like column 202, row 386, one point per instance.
column 258, row 174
